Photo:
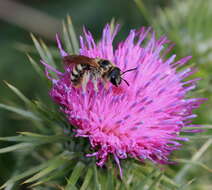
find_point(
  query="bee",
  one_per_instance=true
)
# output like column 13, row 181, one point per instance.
column 85, row 68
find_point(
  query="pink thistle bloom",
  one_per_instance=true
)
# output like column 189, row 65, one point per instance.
column 142, row 120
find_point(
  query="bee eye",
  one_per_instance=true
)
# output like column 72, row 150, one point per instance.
column 104, row 63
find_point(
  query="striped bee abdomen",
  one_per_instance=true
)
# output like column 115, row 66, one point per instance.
column 78, row 72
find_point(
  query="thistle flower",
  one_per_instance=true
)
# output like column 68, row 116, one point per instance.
column 141, row 121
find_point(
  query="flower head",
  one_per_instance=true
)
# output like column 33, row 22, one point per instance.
column 142, row 120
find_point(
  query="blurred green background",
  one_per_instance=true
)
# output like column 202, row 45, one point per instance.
column 188, row 23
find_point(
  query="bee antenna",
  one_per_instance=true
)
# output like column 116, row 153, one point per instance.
column 128, row 70
column 125, row 81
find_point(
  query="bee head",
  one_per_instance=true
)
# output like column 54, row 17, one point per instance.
column 115, row 76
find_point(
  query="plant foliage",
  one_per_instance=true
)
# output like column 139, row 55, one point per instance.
column 50, row 157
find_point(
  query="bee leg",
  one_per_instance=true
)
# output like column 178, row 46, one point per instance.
column 95, row 84
column 85, row 80
column 105, row 84
column 95, row 77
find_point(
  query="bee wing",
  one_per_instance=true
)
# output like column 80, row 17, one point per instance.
column 80, row 59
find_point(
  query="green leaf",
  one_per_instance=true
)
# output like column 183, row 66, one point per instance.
column 200, row 127
column 35, row 169
column 183, row 172
column 48, row 54
column 18, row 138
column 33, row 135
column 52, row 166
column 146, row 180
column 16, row 147
column 197, row 136
column 54, row 175
column 20, row 112
column 36, row 66
column 31, row 49
column 39, row 48
column 62, row 158
column 87, row 179
column 73, row 36
column 96, row 179
column 45, row 138
column 19, row 94
column 27, row 173
column 67, row 39
column 169, row 181
column 110, row 179
column 112, row 25
column 144, row 11
column 35, row 138
column 44, row 53
column 77, row 172
column 194, row 163
column 184, row 186
column 155, row 181
column 25, row 47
